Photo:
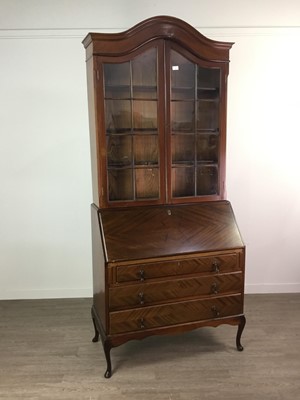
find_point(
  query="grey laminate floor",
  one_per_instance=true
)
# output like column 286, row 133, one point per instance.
column 46, row 353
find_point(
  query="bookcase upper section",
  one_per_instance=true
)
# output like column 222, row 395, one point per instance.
column 157, row 104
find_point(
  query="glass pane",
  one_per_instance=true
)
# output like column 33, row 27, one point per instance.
column 131, row 119
column 117, row 80
column 145, row 115
column 146, row 150
column 120, row 184
column 195, row 92
column 119, row 150
column 207, row 94
column 208, row 78
column 207, row 147
column 207, row 115
column 182, row 116
column 182, row 77
column 208, row 86
column 183, row 149
column 144, row 75
column 183, row 181
column 118, row 116
column 147, row 183
column 207, row 180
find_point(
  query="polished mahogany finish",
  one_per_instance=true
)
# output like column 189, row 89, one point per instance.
column 149, row 232
column 159, row 27
column 167, row 253
column 157, row 106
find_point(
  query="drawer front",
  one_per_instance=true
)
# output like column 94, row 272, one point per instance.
column 143, row 294
column 215, row 264
column 143, row 318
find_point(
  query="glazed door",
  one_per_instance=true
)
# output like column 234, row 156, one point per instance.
column 196, row 142
column 163, row 117
column 134, row 137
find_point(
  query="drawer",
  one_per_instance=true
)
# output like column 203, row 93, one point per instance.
column 139, row 319
column 216, row 264
column 136, row 295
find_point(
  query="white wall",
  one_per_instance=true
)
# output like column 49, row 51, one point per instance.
column 45, row 184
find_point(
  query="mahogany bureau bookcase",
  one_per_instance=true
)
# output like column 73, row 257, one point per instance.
column 167, row 253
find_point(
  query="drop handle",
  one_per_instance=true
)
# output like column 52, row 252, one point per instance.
column 215, row 311
column 141, row 298
column 141, row 275
column 142, row 323
column 214, row 288
column 215, row 267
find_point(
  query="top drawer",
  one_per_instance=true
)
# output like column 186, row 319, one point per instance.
column 206, row 264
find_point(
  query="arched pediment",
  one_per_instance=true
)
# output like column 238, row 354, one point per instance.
column 160, row 27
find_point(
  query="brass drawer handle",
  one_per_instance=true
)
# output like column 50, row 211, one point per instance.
column 215, row 311
column 141, row 275
column 141, row 298
column 215, row 267
column 214, row 288
column 142, row 323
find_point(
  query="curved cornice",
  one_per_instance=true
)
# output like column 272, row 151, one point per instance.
column 160, row 27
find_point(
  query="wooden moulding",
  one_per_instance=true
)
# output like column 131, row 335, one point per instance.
column 160, row 27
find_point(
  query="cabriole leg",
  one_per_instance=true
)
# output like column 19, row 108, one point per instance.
column 107, row 348
column 96, row 337
column 106, row 344
column 239, row 333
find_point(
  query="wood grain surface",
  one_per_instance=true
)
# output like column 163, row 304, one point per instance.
column 141, row 232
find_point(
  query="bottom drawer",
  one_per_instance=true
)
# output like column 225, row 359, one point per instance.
column 175, row 313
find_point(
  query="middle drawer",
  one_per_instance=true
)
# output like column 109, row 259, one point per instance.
column 136, row 295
